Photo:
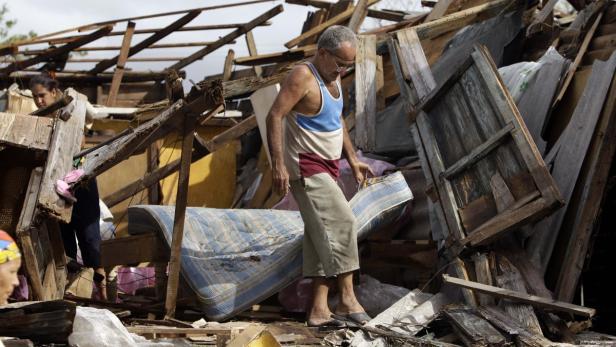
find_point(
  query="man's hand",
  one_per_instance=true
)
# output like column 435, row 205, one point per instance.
column 280, row 178
column 360, row 169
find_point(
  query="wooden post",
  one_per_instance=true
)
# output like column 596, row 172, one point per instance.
column 252, row 51
column 359, row 14
column 181, row 201
column 228, row 68
column 365, row 93
column 119, row 70
column 154, row 190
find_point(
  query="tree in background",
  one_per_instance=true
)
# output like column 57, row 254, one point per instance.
column 5, row 28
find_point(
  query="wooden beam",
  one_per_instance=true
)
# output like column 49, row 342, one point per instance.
column 181, row 201
column 320, row 28
column 117, row 48
column 82, row 77
column 122, row 58
column 293, row 54
column 130, row 60
column 394, row 16
column 65, row 143
column 578, row 59
column 359, row 14
column 104, row 65
column 127, row 19
column 227, row 38
column 252, row 51
column 58, row 52
column 156, row 175
column 27, row 132
column 23, row 232
column 540, row 302
column 365, row 89
column 228, row 67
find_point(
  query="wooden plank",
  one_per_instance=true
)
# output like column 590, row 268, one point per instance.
column 459, row 269
column 365, row 89
column 28, row 132
column 58, row 52
column 227, row 38
column 359, row 14
column 540, row 18
column 105, row 64
column 252, row 51
column 578, row 59
column 23, row 231
column 412, row 56
column 178, row 219
column 152, row 178
column 597, row 163
column 473, row 329
column 479, row 153
column 316, row 19
column 519, row 334
column 291, row 55
column 438, row 10
column 548, row 304
column 65, row 143
column 318, row 29
column 508, row 277
column 119, row 71
column 127, row 19
column 569, row 160
column 396, row 16
column 380, row 84
column 228, row 67
column 153, row 153
column 132, row 250
column 484, row 276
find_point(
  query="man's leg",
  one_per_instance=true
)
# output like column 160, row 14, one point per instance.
column 348, row 302
column 319, row 311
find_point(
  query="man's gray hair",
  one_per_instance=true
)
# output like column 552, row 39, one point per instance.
column 333, row 37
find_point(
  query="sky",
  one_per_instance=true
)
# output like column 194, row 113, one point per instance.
column 44, row 16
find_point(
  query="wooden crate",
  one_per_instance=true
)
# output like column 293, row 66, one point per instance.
column 484, row 171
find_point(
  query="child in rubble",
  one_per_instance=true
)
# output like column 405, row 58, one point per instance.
column 10, row 261
column 84, row 222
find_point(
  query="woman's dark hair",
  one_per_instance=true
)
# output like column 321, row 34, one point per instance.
column 46, row 81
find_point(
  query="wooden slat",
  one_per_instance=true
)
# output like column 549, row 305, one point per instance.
column 228, row 67
column 291, row 55
column 23, row 232
column 166, row 31
column 58, row 52
column 252, row 51
column 360, row 13
column 179, row 216
column 365, row 89
column 227, row 38
column 413, row 58
column 484, row 275
column 521, row 297
column 507, row 325
column 479, row 153
column 152, row 178
column 474, row 329
column 65, row 143
column 119, row 71
column 578, row 59
column 568, row 163
column 127, row 19
column 594, row 187
column 317, row 30
column 23, row 131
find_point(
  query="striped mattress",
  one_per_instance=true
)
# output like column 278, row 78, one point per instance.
column 235, row 258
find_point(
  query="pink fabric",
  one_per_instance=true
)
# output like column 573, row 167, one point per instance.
column 63, row 186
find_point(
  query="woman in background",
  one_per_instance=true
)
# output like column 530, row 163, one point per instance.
column 86, row 211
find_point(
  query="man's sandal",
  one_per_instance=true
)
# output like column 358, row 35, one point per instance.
column 359, row 318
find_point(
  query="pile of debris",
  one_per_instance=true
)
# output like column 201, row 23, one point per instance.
column 500, row 115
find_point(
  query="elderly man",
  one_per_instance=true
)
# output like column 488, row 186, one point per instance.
column 315, row 137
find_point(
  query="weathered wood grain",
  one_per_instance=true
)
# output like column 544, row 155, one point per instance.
column 365, row 89
column 24, row 131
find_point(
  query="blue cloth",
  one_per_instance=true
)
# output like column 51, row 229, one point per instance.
column 233, row 259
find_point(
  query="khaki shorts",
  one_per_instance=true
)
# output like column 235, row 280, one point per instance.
column 330, row 233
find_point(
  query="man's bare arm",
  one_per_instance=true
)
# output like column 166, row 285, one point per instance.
column 357, row 166
column 292, row 91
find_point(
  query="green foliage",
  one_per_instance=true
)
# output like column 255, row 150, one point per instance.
column 5, row 28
